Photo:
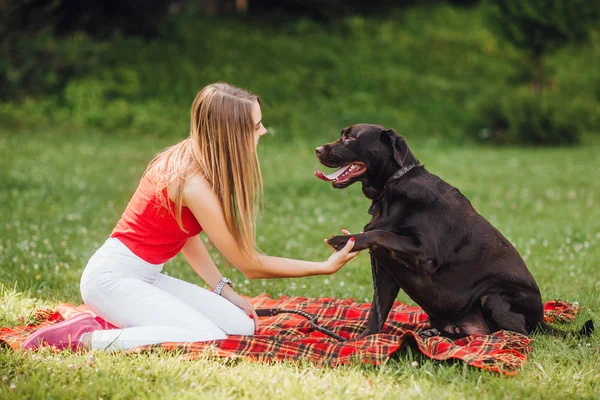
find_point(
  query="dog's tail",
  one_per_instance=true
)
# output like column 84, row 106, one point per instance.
column 586, row 330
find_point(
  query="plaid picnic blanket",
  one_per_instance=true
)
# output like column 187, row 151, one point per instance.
column 290, row 337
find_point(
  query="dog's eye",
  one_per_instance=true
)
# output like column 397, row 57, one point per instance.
column 347, row 138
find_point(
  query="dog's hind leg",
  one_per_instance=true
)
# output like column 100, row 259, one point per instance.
column 500, row 315
column 386, row 290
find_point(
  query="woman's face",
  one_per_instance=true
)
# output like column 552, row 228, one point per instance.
column 257, row 118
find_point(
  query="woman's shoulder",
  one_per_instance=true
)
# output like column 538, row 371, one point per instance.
column 196, row 186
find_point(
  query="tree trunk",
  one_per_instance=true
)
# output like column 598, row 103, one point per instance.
column 209, row 6
column 222, row 6
column 241, row 6
column 538, row 80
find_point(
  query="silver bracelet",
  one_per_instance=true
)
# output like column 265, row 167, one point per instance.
column 221, row 284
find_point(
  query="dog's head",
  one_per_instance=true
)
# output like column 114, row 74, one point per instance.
column 367, row 153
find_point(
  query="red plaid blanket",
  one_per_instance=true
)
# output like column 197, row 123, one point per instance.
column 290, row 337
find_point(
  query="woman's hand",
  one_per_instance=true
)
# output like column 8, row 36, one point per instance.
column 339, row 258
column 242, row 303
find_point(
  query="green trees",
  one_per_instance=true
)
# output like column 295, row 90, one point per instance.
column 541, row 114
column 540, row 27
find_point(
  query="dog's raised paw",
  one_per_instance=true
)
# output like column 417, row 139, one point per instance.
column 338, row 242
column 431, row 332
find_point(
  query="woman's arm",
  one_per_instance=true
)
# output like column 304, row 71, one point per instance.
column 280, row 267
column 198, row 257
column 199, row 197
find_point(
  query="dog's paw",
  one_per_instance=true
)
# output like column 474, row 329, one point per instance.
column 338, row 242
column 366, row 332
column 431, row 332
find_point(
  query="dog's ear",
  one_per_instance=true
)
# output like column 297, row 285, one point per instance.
column 397, row 143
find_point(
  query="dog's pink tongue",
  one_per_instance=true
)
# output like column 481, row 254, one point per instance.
column 333, row 175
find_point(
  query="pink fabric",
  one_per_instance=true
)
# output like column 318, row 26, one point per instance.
column 63, row 335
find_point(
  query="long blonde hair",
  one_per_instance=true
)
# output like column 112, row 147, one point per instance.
column 221, row 147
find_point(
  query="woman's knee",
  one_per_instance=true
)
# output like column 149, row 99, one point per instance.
column 211, row 333
column 93, row 297
column 204, row 328
column 244, row 326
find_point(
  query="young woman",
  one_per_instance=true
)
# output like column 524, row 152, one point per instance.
column 209, row 182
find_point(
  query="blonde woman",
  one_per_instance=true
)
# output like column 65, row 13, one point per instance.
column 209, row 182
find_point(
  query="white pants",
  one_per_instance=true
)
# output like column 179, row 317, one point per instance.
column 151, row 307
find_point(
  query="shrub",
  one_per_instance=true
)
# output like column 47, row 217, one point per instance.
column 540, row 27
column 523, row 117
column 139, row 17
column 40, row 64
column 401, row 71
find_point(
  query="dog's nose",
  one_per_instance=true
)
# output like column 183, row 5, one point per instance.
column 319, row 150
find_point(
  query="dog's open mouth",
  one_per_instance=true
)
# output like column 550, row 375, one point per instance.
column 343, row 174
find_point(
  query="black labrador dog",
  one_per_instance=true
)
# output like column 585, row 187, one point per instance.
column 428, row 240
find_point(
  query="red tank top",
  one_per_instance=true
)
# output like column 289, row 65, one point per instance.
column 149, row 230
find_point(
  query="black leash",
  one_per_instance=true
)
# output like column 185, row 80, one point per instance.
column 312, row 319
column 374, row 265
column 379, row 315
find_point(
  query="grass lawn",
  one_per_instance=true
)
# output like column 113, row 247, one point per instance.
column 62, row 193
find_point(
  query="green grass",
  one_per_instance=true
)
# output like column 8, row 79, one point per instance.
column 61, row 194
column 70, row 160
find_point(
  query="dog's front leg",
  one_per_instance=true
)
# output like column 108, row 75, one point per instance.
column 385, row 291
column 402, row 245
